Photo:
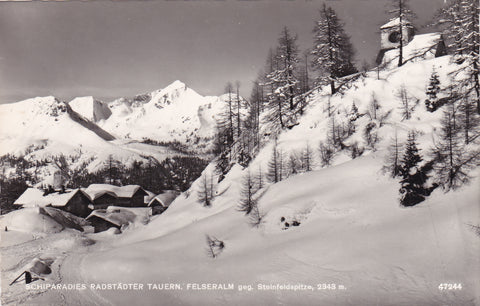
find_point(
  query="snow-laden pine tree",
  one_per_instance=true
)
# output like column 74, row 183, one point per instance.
column 460, row 21
column 332, row 51
column 449, row 19
column 283, row 81
column 412, row 190
column 433, row 89
column 401, row 11
column 271, row 64
column 247, row 201
column 353, row 115
column 453, row 160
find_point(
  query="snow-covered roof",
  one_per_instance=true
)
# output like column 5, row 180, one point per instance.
column 116, row 217
column 394, row 23
column 33, row 197
column 30, row 195
column 97, row 190
column 165, row 198
column 150, row 195
column 421, row 47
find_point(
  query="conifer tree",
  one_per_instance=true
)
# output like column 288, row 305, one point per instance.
column 307, row 158
column 332, row 50
column 205, row 192
column 281, row 164
column 433, row 89
column 412, row 188
column 353, row 115
column 453, row 161
column 274, row 172
column 249, row 188
column 392, row 162
column 402, row 11
column 327, row 152
column 228, row 115
column 407, row 104
column 283, row 81
column 460, row 21
column 239, row 107
column 292, row 164
column 373, row 107
column 469, row 120
column 259, row 177
column 255, row 108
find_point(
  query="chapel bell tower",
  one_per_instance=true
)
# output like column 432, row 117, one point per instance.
column 390, row 34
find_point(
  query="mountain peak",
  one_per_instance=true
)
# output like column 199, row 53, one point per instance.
column 176, row 85
column 175, row 92
column 48, row 105
column 90, row 108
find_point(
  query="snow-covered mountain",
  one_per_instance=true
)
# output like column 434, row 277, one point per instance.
column 89, row 129
column 44, row 127
column 90, row 108
column 175, row 112
column 45, row 123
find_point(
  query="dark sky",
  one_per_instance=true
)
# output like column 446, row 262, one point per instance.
column 111, row 49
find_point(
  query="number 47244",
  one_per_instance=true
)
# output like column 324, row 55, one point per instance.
column 448, row 286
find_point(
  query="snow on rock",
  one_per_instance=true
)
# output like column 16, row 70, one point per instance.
column 90, row 108
column 175, row 112
column 38, row 266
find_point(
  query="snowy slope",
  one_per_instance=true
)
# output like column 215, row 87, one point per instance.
column 421, row 47
column 90, row 108
column 175, row 112
column 352, row 231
